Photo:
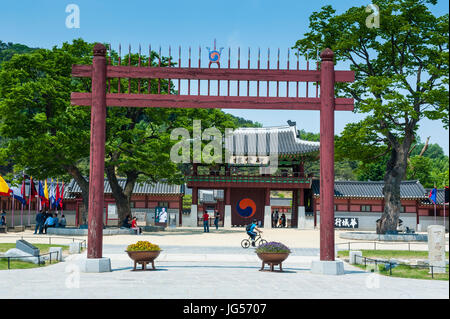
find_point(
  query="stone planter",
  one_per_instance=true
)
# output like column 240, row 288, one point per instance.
column 143, row 258
column 272, row 259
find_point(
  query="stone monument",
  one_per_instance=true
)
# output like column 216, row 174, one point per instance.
column 436, row 248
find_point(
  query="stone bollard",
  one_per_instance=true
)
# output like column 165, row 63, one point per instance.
column 355, row 257
column 75, row 248
column 436, row 248
column 56, row 253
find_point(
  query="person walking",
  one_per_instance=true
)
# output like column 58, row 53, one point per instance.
column 216, row 219
column 275, row 219
column 3, row 218
column 39, row 223
column 283, row 220
column 205, row 222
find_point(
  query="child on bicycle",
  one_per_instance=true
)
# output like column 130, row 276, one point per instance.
column 250, row 231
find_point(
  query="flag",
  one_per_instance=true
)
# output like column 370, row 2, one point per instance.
column 61, row 196
column 4, row 188
column 52, row 197
column 432, row 195
column 46, row 192
column 33, row 191
column 17, row 195
column 23, row 192
column 57, row 195
column 42, row 194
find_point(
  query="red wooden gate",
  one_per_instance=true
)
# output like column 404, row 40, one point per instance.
column 101, row 72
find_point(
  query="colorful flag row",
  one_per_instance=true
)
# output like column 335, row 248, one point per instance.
column 52, row 199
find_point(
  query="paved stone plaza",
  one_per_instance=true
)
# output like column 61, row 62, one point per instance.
column 211, row 271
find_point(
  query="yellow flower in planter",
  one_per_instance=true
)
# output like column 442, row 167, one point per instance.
column 143, row 246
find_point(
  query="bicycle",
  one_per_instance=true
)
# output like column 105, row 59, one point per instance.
column 245, row 243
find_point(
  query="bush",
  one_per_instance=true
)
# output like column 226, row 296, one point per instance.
column 272, row 247
column 143, row 246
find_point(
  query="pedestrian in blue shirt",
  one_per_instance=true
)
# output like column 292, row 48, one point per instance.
column 50, row 222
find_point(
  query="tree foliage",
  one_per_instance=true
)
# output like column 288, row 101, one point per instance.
column 401, row 77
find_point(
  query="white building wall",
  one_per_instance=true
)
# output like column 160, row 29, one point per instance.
column 367, row 221
column 425, row 221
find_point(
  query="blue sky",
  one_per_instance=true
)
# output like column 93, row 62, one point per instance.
column 245, row 23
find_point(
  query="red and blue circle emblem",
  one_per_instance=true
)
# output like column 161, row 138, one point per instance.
column 246, row 207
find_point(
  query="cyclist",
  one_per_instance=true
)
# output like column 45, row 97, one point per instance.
column 251, row 231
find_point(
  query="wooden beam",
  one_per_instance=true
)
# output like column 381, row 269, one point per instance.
column 135, row 72
column 222, row 102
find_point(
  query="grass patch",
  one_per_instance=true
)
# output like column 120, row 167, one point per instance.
column 18, row 264
column 386, row 254
column 405, row 271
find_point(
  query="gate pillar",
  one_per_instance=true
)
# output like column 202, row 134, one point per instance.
column 97, row 153
column 327, row 156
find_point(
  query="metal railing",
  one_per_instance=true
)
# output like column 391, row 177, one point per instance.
column 40, row 258
column 376, row 244
column 82, row 244
column 383, row 262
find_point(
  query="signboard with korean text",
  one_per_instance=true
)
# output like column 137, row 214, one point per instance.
column 346, row 222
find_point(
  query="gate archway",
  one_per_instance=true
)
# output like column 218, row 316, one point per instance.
column 100, row 97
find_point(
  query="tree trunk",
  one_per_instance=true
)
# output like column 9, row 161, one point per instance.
column 121, row 196
column 84, row 186
column 395, row 172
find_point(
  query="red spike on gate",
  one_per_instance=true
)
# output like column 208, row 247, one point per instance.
column 239, row 66
column 168, row 80
column 129, row 64
column 257, row 82
column 139, row 64
column 149, row 65
column 307, row 69
column 228, row 84
column 199, row 64
column 248, row 67
column 120, row 63
column 189, row 81
column 298, row 66
column 109, row 63
column 179, row 65
column 278, row 67
column 159, row 65
column 268, row 68
column 287, row 82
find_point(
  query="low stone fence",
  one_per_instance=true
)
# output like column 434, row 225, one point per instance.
column 373, row 236
column 106, row 231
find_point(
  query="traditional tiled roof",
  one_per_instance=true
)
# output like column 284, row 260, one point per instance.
column 143, row 188
column 440, row 195
column 263, row 141
column 371, row 189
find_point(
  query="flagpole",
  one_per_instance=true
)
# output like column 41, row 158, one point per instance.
column 29, row 207
column 12, row 215
column 444, row 216
column 21, row 216
column 435, row 214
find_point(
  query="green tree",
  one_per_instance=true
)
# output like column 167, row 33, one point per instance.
column 44, row 135
column 401, row 71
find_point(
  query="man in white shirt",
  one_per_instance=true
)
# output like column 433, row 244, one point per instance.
column 163, row 216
